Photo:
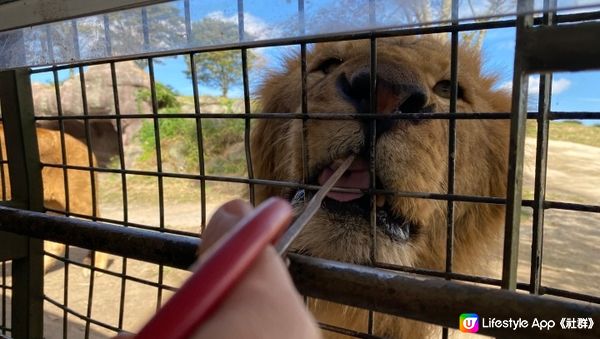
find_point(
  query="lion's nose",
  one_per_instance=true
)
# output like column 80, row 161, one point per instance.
column 397, row 92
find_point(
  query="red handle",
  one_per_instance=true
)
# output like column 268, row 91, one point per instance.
column 221, row 267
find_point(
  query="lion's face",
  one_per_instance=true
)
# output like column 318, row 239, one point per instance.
column 410, row 155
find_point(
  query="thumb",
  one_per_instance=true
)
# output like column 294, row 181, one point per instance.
column 224, row 219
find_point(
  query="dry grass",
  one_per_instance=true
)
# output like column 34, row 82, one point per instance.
column 572, row 131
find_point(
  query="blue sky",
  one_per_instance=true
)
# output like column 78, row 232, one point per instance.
column 272, row 19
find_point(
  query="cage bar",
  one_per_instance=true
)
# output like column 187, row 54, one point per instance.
column 541, row 163
column 113, row 76
column 516, row 152
column 200, row 139
column 247, row 109
column 26, row 192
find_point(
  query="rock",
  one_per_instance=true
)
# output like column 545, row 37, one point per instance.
column 100, row 101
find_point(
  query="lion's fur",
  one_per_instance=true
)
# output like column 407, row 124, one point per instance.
column 412, row 157
column 79, row 182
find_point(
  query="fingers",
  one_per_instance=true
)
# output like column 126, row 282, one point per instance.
column 224, row 219
column 265, row 304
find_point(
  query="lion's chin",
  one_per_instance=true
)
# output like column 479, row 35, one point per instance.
column 354, row 216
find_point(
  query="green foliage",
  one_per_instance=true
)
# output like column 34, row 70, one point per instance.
column 179, row 145
column 222, row 69
column 166, row 98
column 219, row 134
column 228, row 103
column 222, row 139
column 165, row 19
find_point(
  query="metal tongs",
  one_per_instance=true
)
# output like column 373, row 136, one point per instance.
column 223, row 264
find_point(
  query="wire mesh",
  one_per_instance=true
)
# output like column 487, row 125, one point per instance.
column 123, row 178
column 5, row 288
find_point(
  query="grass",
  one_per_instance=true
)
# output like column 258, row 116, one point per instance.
column 572, row 131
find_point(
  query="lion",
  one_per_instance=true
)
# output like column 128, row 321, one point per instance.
column 80, row 188
column 413, row 76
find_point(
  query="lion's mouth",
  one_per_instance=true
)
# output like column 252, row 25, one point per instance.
column 341, row 205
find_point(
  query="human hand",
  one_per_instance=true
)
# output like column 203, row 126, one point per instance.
column 264, row 304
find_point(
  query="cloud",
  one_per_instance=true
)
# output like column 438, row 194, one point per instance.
column 253, row 25
column 558, row 85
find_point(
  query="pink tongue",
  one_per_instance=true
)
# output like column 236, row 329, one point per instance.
column 355, row 177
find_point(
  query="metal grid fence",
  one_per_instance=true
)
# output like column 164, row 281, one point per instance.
column 5, row 281
column 530, row 57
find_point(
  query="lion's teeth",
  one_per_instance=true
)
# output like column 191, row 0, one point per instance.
column 380, row 200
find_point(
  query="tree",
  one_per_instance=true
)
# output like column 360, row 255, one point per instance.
column 354, row 14
column 165, row 27
column 222, row 69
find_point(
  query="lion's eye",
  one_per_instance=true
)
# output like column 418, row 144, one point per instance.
column 329, row 65
column 443, row 89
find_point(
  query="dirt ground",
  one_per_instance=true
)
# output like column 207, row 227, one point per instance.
column 571, row 256
column 571, row 259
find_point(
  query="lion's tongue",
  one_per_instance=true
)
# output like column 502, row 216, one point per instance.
column 355, row 177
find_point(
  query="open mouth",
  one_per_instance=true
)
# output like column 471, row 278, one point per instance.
column 341, row 205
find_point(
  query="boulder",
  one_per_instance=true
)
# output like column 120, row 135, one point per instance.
column 100, row 101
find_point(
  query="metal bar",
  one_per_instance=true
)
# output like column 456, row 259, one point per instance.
column 134, row 225
column 115, row 87
column 145, row 30
column 491, row 281
column 354, row 35
column 157, row 141
column 423, row 195
column 541, row 43
column 451, row 147
column 316, row 38
column 152, row 246
column 76, row 46
column 88, row 141
column 67, row 195
column 107, row 39
column 63, row 149
column 567, row 206
column 303, row 94
column 247, row 108
column 177, row 251
column 114, row 274
column 161, row 196
column 407, row 296
column 80, row 316
column 188, row 21
column 338, row 116
column 92, row 164
column 200, row 140
column 372, row 146
column 516, row 152
column 346, row 332
column 26, row 191
column 12, row 247
column 49, row 44
column 541, row 163
column 3, row 168
column 452, row 138
column 5, row 289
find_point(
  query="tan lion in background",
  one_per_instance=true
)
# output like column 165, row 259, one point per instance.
column 411, row 156
column 80, row 188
